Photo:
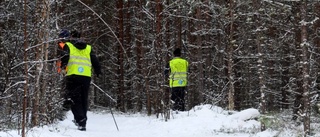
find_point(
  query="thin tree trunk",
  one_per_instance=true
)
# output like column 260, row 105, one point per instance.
column 127, row 35
column 26, row 71
column 120, row 101
column 179, row 26
column 159, row 60
column 298, row 101
column 140, row 53
column 148, row 94
column 209, row 55
column 199, row 44
column 305, row 74
column 45, row 104
column 261, row 67
column 230, row 73
column 167, row 58
column 35, row 98
column 192, row 80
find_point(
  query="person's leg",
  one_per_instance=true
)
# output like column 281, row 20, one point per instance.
column 175, row 98
column 72, row 87
column 178, row 92
column 76, row 105
column 181, row 99
column 84, row 101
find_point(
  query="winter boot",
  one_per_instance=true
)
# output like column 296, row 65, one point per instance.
column 81, row 128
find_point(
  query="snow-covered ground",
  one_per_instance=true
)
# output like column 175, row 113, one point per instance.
column 201, row 121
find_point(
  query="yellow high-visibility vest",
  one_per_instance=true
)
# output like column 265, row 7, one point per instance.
column 79, row 61
column 178, row 72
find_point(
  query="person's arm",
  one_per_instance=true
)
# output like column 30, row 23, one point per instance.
column 95, row 64
column 59, row 49
column 167, row 70
column 65, row 56
column 60, row 45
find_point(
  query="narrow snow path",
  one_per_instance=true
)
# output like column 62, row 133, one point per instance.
column 202, row 121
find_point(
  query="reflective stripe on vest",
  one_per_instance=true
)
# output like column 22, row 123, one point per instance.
column 178, row 72
column 79, row 61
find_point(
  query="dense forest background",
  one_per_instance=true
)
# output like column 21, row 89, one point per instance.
column 242, row 53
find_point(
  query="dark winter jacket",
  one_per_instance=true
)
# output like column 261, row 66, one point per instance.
column 80, row 45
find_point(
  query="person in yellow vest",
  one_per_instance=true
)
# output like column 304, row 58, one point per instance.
column 80, row 60
column 177, row 69
column 64, row 36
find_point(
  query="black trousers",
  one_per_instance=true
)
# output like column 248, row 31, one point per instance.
column 177, row 96
column 77, row 90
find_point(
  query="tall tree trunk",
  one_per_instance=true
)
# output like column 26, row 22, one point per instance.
column 140, row 53
column 130, row 84
column 305, row 74
column 298, row 101
column 260, row 46
column 159, row 60
column 45, row 104
column 192, row 80
column 39, row 67
column 209, row 54
column 199, row 55
column 230, row 73
column 167, row 58
column 26, row 71
column 120, row 94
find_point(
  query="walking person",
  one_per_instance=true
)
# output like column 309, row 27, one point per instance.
column 64, row 36
column 79, row 58
column 177, row 69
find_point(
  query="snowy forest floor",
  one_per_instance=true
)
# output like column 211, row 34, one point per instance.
column 201, row 121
